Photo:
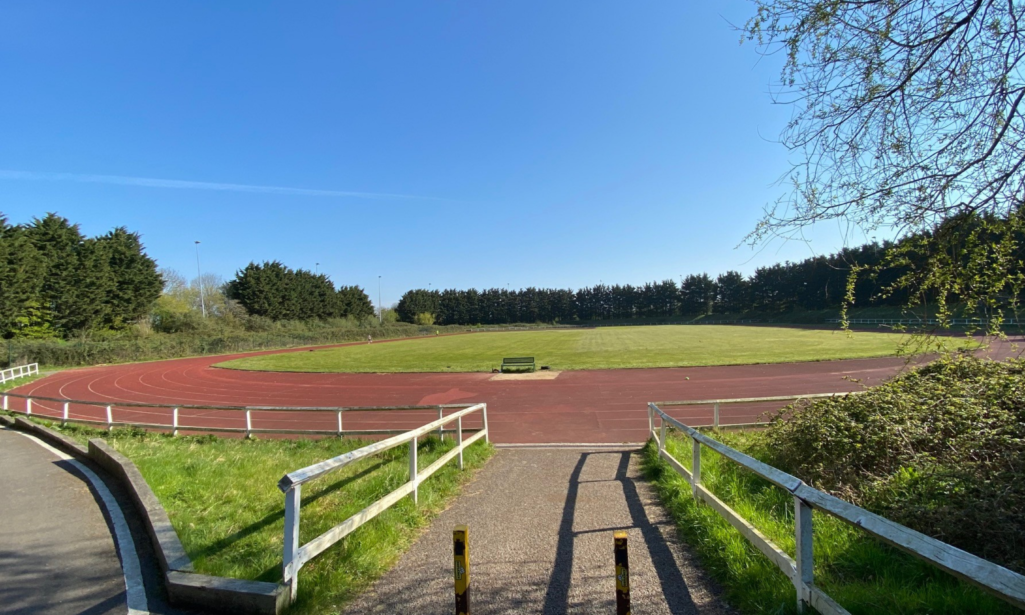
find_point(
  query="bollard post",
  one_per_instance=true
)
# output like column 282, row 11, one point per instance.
column 461, row 568
column 174, row 422
column 412, row 471
column 110, row 419
column 64, row 415
column 622, row 573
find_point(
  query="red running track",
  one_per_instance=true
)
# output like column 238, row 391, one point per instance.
column 583, row 406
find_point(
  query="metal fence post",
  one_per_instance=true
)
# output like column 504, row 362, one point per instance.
column 339, row 423
column 110, row 419
column 662, row 436
column 174, row 422
column 651, row 421
column 28, row 406
column 293, row 503
column 249, row 423
column 64, row 415
column 459, row 440
column 487, row 434
column 461, row 568
column 715, row 415
column 695, row 469
column 5, row 402
column 441, row 428
column 805, row 557
column 412, row 471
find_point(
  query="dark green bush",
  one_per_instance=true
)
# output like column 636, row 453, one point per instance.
column 940, row 449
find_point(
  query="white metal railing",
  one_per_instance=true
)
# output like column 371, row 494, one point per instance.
column 20, row 371
column 991, row 577
column 715, row 403
column 180, row 417
column 919, row 321
column 295, row 556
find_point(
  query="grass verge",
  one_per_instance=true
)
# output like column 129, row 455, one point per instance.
column 222, row 498
column 864, row 575
column 602, row 348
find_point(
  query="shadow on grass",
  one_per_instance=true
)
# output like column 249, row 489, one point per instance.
column 226, row 542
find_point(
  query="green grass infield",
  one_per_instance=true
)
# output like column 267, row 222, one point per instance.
column 601, row 348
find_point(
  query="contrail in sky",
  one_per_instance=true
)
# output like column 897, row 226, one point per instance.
column 149, row 182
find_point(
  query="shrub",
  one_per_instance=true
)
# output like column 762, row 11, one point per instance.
column 940, row 449
column 425, row 319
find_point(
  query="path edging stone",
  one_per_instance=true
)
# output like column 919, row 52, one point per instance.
column 185, row 587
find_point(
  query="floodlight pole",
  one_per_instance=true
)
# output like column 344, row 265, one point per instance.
column 199, row 271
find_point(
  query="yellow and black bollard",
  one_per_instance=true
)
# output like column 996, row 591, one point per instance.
column 622, row 574
column 461, row 548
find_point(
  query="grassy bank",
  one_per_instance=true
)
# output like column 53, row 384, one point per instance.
column 862, row 574
column 222, row 497
column 603, row 348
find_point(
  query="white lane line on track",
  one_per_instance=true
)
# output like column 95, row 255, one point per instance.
column 135, row 591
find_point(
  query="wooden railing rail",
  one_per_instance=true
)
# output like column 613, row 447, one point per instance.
column 19, row 371
column 295, row 556
column 991, row 577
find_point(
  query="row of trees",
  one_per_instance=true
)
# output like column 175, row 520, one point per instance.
column 275, row 291
column 812, row 284
column 55, row 282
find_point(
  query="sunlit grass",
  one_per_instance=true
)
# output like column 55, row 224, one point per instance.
column 222, row 498
column 862, row 574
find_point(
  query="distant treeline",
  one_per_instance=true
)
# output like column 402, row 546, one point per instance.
column 275, row 291
column 55, row 282
column 812, row 284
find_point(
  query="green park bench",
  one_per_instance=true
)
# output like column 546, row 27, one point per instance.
column 518, row 363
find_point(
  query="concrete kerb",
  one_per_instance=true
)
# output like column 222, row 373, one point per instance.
column 185, row 588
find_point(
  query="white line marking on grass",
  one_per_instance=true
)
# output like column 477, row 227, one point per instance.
column 135, row 591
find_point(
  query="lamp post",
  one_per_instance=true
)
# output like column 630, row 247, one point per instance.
column 380, row 308
column 199, row 272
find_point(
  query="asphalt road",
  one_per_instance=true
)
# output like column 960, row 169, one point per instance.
column 57, row 555
column 541, row 524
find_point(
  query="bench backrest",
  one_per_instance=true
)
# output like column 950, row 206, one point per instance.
column 518, row 360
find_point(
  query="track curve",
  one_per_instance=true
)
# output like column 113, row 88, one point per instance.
column 582, row 406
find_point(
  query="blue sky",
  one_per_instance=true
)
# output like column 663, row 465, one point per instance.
column 454, row 144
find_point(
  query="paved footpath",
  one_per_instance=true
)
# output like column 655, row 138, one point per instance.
column 56, row 551
column 541, row 523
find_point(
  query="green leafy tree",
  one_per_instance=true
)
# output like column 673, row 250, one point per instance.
column 21, row 277
column 136, row 281
column 907, row 115
column 76, row 275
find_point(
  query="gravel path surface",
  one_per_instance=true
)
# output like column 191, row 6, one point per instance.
column 541, row 523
